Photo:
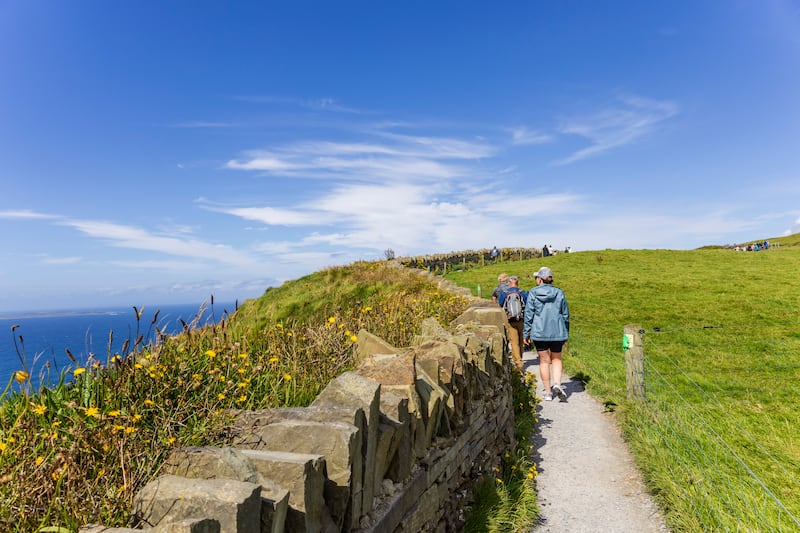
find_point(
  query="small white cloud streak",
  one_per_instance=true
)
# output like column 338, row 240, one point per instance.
column 522, row 136
column 318, row 104
column 25, row 214
column 616, row 127
column 62, row 260
column 274, row 216
column 130, row 237
column 204, row 124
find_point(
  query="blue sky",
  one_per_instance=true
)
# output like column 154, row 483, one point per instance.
column 164, row 151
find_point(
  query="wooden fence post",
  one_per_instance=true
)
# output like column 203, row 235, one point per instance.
column 634, row 362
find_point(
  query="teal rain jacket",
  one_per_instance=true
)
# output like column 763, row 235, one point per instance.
column 546, row 314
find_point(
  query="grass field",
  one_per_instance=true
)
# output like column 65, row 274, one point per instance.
column 717, row 436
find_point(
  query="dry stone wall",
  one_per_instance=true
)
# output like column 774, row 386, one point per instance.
column 396, row 445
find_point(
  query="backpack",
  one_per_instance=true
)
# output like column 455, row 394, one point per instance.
column 513, row 305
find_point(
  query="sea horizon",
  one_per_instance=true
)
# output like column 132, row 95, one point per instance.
column 37, row 341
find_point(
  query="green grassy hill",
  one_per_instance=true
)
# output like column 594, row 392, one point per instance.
column 717, row 436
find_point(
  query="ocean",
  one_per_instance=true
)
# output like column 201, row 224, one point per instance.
column 42, row 338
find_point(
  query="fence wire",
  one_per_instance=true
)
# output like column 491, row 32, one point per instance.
column 716, row 428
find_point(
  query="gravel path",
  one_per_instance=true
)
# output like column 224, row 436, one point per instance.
column 588, row 481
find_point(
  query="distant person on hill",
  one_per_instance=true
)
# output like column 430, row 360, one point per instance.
column 545, row 251
column 515, row 314
column 502, row 283
column 494, row 253
column 547, row 327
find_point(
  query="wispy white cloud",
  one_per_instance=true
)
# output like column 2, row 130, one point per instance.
column 26, row 214
column 124, row 236
column 389, row 156
column 62, row 260
column 616, row 126
column 318, row 104
column 274, row 216
column 204, row 124
column 522, row 135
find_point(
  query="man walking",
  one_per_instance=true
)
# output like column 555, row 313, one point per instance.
column 512, row 300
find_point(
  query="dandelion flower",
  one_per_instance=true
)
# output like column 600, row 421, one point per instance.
column 210, row 353
column 221, row 396
column 93, row 412
column 3, row 446
column 149, row 402
column 138, row 366
column 78, row 371
column 354, row 338
column 287, row 377
column 130, row 429
column 331, row 320
column 273, row 360
column 171, row 440
column 530, row 476
column 39, row 460
column 137, row 417
column 39, row 409
column 21, row 376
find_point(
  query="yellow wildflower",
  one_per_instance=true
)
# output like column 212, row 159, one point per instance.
column 331, row 320
column 171, row 440
column 354, row 338
column 279, row 326
column 138, row 366
column 149, row 402
column 242, row 356
column 211, row 353
column 221, row 396
column 39, row 460
column 241, row 399
column 93, row 412
column 130, row 430
column 39, row 409
column 78, row 371
column 287, row 377
column 3, row 446
column 273, row 359
column 117, row 427
column 21, row 376
column 137, row 417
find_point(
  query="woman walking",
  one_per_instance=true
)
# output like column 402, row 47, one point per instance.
column 547, row 326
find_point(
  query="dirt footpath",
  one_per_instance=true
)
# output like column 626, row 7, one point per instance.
column 587, row 480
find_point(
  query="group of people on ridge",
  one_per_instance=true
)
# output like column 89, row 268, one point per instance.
column 540, row 317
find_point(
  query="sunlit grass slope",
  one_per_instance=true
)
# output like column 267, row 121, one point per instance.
column 717, row 438
column 77, row 453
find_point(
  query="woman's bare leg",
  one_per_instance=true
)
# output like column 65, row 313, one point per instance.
column 544, row 369
column 555, row 360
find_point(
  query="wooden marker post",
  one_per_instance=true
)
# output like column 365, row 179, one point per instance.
column 634, row 362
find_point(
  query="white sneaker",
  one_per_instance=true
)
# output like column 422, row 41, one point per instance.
column 562, row 395
column 547, row 397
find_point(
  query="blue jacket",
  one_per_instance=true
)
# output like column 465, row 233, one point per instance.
column 546, row 314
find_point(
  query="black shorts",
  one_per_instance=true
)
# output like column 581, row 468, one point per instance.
column 553, row 346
